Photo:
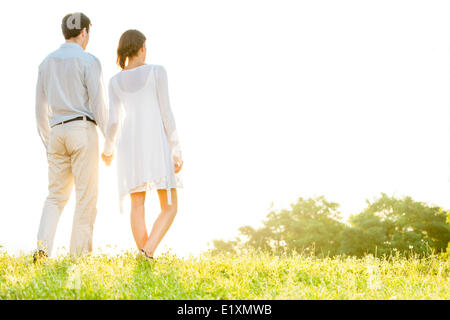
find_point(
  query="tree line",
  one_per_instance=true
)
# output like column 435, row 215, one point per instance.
column 387, row 225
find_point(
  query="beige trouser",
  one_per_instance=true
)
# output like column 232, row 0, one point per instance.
column 72, row 157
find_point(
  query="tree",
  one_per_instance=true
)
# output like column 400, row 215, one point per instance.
column 367, row 234
column 221, row 246
column 311, row 225
column 314, row 225
column 403, row 225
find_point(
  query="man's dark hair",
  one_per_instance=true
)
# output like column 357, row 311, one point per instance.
column 73, row 23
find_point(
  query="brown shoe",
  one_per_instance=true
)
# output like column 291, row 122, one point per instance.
column 146, row 255
column 39, row 255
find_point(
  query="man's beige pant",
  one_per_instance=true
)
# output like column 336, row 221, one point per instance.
column 72, row 157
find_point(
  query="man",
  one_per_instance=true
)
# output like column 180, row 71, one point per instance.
column 69, row 103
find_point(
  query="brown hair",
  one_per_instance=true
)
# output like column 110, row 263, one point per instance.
column 73, row 23
column 129, row 44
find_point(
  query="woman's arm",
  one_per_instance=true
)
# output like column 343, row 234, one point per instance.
column 166, row 112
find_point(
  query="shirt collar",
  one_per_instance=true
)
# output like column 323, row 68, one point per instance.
column 71, row 45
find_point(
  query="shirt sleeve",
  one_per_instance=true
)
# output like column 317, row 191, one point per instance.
column 96, row 94
column 115, row 114
column 166, row 112
column 43, row 125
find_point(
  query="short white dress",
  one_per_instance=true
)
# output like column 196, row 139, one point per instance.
column 142, row 127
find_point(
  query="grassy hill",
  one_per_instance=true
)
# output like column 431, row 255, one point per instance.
column 252, row 276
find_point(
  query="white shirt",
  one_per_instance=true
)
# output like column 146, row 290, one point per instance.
column 131, row 80
column 69, row 85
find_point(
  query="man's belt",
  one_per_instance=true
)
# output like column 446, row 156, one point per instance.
column 77, row 118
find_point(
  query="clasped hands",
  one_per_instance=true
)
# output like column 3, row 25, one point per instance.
column 177, row 161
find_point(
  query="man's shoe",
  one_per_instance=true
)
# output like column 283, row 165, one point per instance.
column 39, row 255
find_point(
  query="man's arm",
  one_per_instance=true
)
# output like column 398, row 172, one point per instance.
column 42, row 111
column 115, row 112
column 96, row 94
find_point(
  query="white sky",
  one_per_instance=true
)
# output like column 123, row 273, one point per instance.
column 273, row 100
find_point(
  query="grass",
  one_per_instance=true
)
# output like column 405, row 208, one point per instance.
column 252, row 276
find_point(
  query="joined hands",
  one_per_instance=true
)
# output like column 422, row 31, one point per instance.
column 107, row 158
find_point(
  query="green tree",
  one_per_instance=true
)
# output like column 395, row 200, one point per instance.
column 367, row 234
column 227, row 247
column 389, row 224
column 260, row 238
column 311, row 225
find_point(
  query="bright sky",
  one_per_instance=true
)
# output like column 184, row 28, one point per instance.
column 273, row 100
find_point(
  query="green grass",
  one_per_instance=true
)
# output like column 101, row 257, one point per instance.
column 252, row 276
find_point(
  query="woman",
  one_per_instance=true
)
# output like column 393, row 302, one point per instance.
column 142, row 127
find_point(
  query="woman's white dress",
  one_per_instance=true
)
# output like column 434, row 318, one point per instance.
column 142, row 128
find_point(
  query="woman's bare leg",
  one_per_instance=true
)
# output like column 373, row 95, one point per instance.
column 137, row 217
column 163, row 222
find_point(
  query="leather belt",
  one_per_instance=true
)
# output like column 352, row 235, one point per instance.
column 77, row 118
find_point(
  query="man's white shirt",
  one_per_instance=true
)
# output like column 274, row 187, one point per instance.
column 69, row 85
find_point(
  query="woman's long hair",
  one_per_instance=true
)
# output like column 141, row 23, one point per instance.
column 129, row 44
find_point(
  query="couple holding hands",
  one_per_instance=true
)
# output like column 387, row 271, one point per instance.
column 139, row 130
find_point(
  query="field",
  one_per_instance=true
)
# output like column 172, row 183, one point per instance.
column 252, row 276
